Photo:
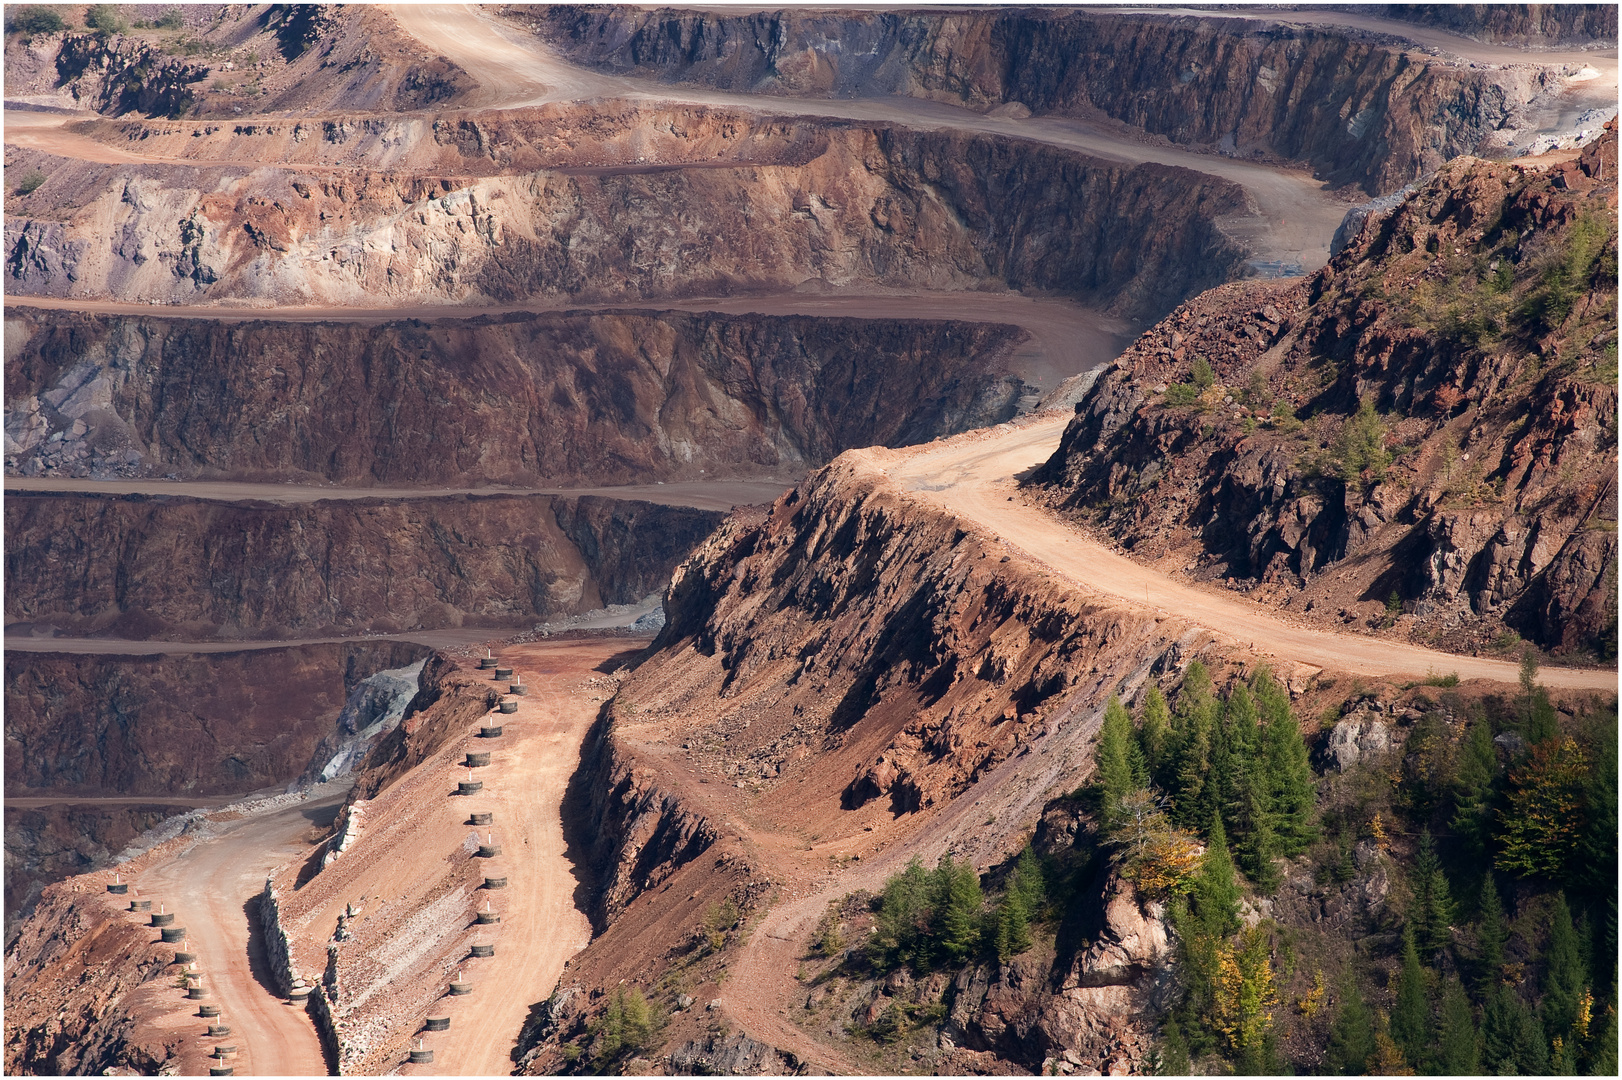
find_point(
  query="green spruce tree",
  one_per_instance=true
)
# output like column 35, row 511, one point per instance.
column 1113, row 758
column 1193, row 726
column 1253, row 820
column 1216, row 894
column 1154, row 735
column 1565, row 975
column 1411, row 1013
column 1512, row 1042
column 960, row 906
column 1174, row 1059
column 1351, row 1036
column 1013, row 926
column 1492, row 935
column 1474, row 787
column 1292, row 785
column 1433, row 911
column 1458, row 1046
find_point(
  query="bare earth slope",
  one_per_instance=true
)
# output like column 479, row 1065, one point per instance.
column 1422, row 436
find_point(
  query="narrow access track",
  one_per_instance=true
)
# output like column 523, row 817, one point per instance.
column 701, row 495
column 516, row 70
column 540, row 926
column 209, row 886
column 975, row 478
column 1064, row 337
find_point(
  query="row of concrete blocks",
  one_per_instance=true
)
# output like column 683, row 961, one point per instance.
column 474, row 760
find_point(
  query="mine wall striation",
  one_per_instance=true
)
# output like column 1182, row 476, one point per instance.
column 1521, row 24
column 878, row 205
column 93, row 564
column 1361, row 110
column 1490, row 505
column 563, row 398
column 220, row 724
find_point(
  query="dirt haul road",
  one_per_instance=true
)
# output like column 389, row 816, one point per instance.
column 974, row 476
column 1065, row 338
column 1292, row 223
column 540, row 925
column 701, row 495
column 209, row 886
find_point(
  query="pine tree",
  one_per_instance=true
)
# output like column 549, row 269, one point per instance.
column 1411, row 1014
column 1154, row 735
column 1216, row 894
column 1112, row 755
column 959, row 905
column 1258, row 846
column 1013, row 926
column 1458, row 1047
column 1292, row 786
column 1194, row 723
column 1174, row 1060
column 1512, row 1041
column 1433, row 901
column 1564, row 976
column 1492, row 934
column 1351, row 1037
column 1473, row 788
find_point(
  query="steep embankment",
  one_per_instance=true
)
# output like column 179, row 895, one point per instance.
column 1519, row 24
column 525, row 399
column 1420, row 440
column 88, row 564
column 383, row 917
column 857, row 678
column 224, row 59
column 177, row 725
column 1360, row 109
column 890, row 206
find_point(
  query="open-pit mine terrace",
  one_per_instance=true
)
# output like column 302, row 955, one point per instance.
column 350, row 448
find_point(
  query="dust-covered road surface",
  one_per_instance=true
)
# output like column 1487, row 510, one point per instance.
column 974, row 477
column 210, row 886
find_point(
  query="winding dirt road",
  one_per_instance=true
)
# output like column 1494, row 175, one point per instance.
column 209, row 886
column 975, row 477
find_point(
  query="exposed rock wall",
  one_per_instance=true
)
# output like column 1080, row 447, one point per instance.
column 176, row 725
column 1518, row 24
column 279, row 955
column 241, row 57
column 1478, row 321
column 877, row 205
column 48, row 843
column 192, row 570
column 1362, row 112
column 566, row 398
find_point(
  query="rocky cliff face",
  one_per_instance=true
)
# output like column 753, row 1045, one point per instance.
column 1361, row 111
column 1420, row 439
column 893, row 207
column 227, row 59
column 108, row 565
column 565, row 398
column 1521, row 24
column 178, row 725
